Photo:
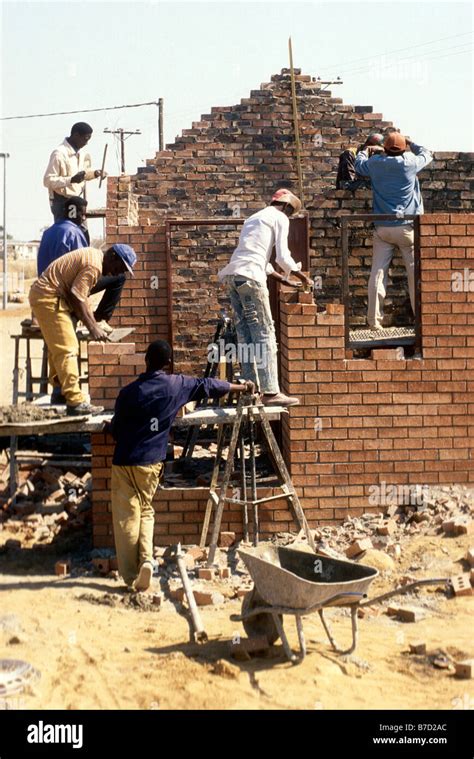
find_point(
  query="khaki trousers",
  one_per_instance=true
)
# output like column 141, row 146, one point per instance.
column 57, row 328
column 386, row 240
column 133, row 488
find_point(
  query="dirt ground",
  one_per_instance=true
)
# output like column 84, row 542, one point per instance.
column 96, row 656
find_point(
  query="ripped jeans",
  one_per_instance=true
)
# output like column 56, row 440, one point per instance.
column 257, row 347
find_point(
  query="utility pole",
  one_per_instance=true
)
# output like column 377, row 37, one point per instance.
column 160, row 124
column 121, row 133
column 5, row 250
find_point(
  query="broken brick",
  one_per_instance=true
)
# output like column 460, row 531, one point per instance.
column 387, row 528
column 205, row 574
column 359, row 546
column 407, row 613
column 177, row 594
column 464, row 669
column 226, row 539
column 461, row 585
column 224, row 573
column 198, row 554
column 62, row 568
column 470, row 557
column 208, row 598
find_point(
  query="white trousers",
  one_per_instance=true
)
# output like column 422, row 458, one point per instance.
column 386, row 239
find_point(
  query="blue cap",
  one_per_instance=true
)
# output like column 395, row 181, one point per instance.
column 127, row 254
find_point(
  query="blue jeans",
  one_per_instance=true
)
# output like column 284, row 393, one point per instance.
column 257, row 347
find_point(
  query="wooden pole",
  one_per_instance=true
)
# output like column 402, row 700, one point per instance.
column 296, row 126
column 103, row 165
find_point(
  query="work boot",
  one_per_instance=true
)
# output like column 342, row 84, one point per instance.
column 84, row 409
column 145, row 574
column 57, row 398
column 279, row 399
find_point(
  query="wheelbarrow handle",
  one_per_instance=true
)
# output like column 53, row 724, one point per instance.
column 405, row 589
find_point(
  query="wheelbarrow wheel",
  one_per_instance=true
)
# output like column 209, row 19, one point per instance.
column 260, row 624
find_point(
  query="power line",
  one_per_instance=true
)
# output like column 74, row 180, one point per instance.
column 398, row 50
column 84, row 110
column 423, row 57
column 359, row 72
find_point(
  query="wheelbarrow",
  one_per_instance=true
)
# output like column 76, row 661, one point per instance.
column 298, row 583
column 289, row 581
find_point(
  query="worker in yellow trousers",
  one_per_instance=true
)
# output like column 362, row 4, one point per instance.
column 61, row 291
column 144, row 412
column 133, row 488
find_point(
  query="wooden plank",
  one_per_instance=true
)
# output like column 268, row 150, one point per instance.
column 59, row 426
column 222, row 415
column 66, row 424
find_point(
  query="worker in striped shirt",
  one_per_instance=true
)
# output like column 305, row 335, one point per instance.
column 61, row 292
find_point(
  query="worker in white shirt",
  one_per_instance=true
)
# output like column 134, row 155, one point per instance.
column 246, row 279
column 69, row 168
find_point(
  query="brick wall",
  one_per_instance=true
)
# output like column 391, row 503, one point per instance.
column 230, row 162
column 386, row 419
column 383, row 420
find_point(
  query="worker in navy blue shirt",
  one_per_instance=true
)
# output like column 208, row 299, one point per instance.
column 144, row 412
column 65, row 235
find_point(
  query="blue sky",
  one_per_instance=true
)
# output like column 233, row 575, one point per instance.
column 72, row 55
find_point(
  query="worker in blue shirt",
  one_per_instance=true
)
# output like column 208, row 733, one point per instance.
column 144, row 412
column 64, row 235
column 395, row 190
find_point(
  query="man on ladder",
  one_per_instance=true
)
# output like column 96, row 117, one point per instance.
column 245, row 277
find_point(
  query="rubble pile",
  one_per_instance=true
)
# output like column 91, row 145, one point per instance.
column 47, row 502
column 442, row 511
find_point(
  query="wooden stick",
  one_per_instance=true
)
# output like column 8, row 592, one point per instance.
column 296, row 127
column 103, row 164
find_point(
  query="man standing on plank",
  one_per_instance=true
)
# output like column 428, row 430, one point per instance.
column 58, row 294
column 246, row 279
column 144, row 412
column 396, row 191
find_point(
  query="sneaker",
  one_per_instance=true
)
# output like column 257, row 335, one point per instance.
column 105, row 326
column 145, row 574
column 84, row 409
column 57, row 398
column 279, row 399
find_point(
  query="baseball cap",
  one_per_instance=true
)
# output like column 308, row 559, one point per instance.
column 395, row 143
column 127, row 254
